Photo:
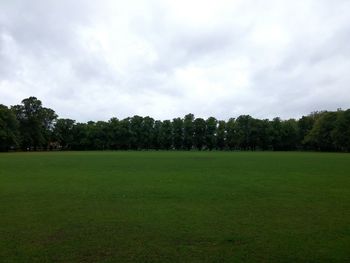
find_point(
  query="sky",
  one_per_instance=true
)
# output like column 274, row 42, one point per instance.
column 93, row 60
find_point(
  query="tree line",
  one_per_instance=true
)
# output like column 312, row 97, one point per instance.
column 30, row 126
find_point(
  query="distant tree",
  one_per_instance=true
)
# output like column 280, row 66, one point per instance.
column 147, row 132
column 264, row 134
column 166, row 135
column 188, row 131
column 32, row 126
column 125, row 134
column 114, row 133
column 245, row 129
column 80, row 140
column 178, row 133
column 90, row 139
column 98, row 133
column 276, row 134
column 305, row 124
column 254, row 136
column 199, row 126
column 320, row 137
column 211, row 133
column 9, row 129
column 91, row 136
column 341, row 131
column 221, row 135
column 63, row 132
column 136, row 139
column 36, row 123
column 289, row 135
column 157, row 134
column 231, row 134
column 118, row 134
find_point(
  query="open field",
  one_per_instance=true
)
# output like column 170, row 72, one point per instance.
column 174, row 207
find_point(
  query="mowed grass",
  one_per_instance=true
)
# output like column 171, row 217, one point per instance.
column 174, row 207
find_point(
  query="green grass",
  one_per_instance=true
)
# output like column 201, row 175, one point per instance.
column 174, row 207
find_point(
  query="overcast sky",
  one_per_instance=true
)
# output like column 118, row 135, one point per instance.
column 92, row 60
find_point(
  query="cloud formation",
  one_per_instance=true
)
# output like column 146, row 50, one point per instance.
column 92, row 60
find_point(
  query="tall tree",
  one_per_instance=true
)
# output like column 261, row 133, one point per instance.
column 114, row 134
column 178, row 133
column 147, row 132
column 305, row 125
column 80, row 141
column 99, row 135
column 136, row 139
column 33, row 126
column 166, row 135
column 188, row 131
column 36, row 123
column 341, row 132
column 63, row 133
column 125, row 134
column 221, row 135
column 9, row 133
column 211, row 133
column 289, row 135
column 199, row 133
column 231, row 134
column 157, row 134
column 264, row 134
column 245, row 132
column 320, row 136
column 276, row 134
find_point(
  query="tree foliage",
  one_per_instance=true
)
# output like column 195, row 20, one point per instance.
column 9, row 133
column 30, row 126
column 36, row 123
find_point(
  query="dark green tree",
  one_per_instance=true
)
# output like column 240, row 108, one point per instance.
column 36, row 123
column 33, row 126
column 305, row 124
column 125, row 134
column 276, row 134
column 221, row 135
column 188, row 131
column 114, row 133
column 263, row 134
column 199, row 127
column 147, row 132
column 320, row 137
column 80, row 139
column 245, row 130
column 178, row 133
column 9, row 129
column 157, row 131
column 289, row 135
column 63, row 133
column 98, row 134
column 341, row 132
column 136, row 133
column 166, row 135
column 211, row 133
column 231, row 134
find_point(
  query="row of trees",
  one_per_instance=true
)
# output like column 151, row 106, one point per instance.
column 30, row 126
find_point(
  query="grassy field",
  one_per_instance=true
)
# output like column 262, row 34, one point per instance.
column 174, row 207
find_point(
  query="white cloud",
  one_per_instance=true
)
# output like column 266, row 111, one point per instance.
column 98, row 59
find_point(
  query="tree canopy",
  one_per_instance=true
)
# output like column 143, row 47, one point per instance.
column 30, row 126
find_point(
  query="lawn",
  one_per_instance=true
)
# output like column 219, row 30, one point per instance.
column 174, row 207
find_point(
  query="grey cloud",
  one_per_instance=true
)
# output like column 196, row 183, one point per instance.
column 151, row 60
